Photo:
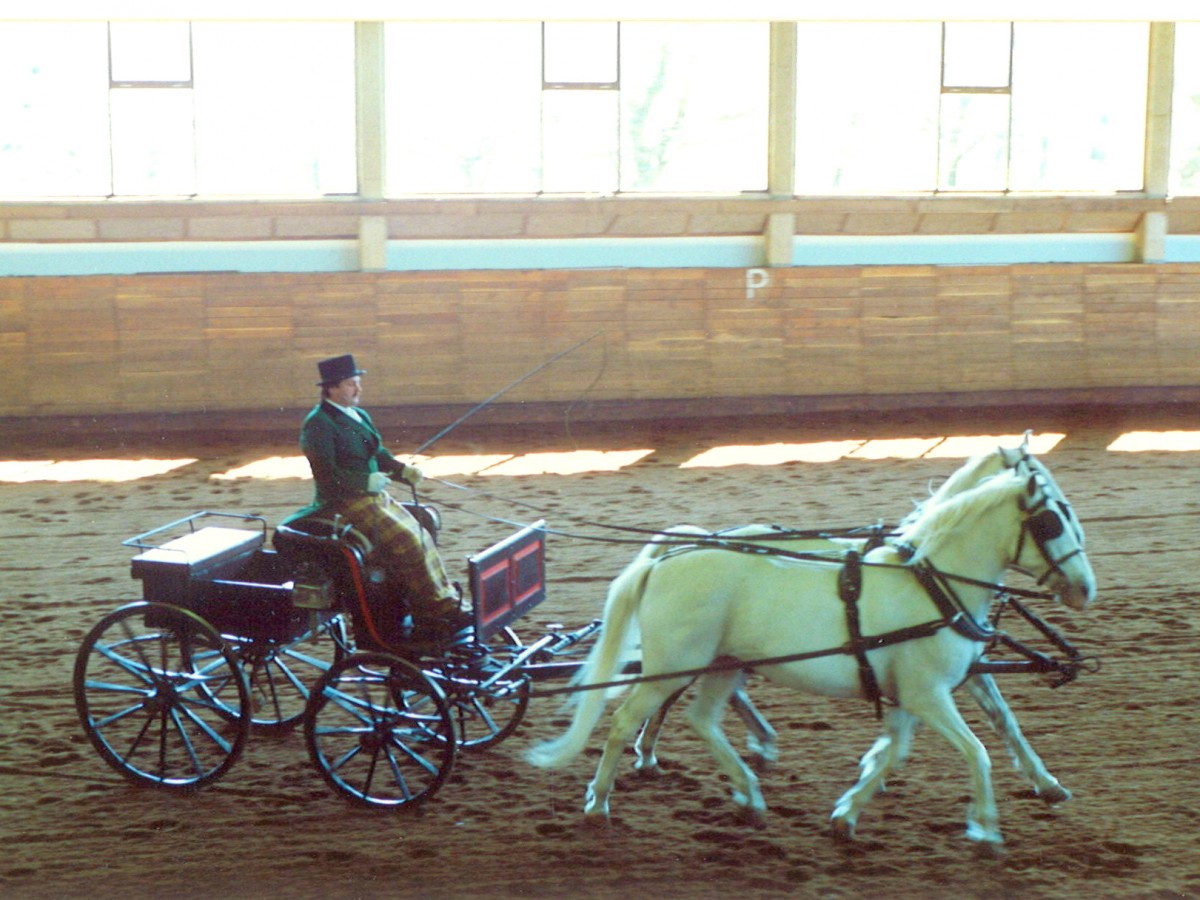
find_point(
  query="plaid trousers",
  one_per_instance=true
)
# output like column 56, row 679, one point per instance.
column 407, row 553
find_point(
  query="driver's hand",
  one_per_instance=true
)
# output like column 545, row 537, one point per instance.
column 377, row 482
column 412, row 475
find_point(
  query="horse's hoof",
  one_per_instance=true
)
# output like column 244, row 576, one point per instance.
column 1054, row 794
column 755, row 818
column 990, row 850
column 650, row 771
column 760, row 764
column 595, row 822
column 841, row 830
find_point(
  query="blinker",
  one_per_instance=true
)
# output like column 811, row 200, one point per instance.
column 1045, row 526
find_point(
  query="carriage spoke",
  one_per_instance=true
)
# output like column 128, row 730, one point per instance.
column 186, row 742
column 380, row 732
column 184, row 708
column 160, row 698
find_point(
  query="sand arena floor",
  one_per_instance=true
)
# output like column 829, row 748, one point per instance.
column 1123, row 739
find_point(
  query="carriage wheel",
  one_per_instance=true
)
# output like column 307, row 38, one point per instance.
column 142, row 690
column 380, row 731
column 281, row 677
column 484, row 716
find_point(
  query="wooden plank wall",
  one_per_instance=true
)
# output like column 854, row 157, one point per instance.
column 132, row 220
column 212, row 342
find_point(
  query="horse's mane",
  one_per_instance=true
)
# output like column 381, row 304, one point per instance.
column 967, row 473
column 936, row 521
column 965, row 476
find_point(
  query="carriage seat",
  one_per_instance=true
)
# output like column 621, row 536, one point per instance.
column 320, row 541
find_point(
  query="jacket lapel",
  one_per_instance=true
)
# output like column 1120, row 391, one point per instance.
column 363, row 425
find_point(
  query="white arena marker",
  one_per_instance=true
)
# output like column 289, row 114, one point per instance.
column 1150, row 441
column 88, row 469
column 963, row 446
column 770, row 454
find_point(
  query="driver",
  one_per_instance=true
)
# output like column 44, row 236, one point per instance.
column 351, row 469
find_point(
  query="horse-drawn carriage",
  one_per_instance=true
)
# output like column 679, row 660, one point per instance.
column 233, row 636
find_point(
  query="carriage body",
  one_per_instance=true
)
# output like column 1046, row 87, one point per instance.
column 233, row 635
column 231, row 579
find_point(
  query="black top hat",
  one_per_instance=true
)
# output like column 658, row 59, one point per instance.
column 338, row 368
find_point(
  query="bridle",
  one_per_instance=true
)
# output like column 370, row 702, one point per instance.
column 1045, row 520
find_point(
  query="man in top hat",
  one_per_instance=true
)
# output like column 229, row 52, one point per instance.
column 351, row 468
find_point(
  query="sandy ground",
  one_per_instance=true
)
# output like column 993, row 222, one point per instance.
column 1123, row 740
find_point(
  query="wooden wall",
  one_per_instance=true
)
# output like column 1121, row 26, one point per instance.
column 548, row 217
column 204, row 342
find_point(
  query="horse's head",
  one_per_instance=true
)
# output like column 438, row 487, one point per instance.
column 1051, row 540
column 980, row 469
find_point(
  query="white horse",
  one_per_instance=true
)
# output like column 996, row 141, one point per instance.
column 696, row 605
column 981, row 686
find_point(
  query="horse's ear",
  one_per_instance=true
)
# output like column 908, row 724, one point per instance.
column 1011, row 457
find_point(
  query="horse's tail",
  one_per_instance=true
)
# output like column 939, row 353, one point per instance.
column 614, row 647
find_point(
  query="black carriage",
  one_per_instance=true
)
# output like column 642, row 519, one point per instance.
column 234, row 636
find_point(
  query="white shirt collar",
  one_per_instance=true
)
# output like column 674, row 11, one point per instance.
column 348, row 410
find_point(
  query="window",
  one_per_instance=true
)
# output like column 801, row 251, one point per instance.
column 151, row 108
column 576, row 107
column 976, row 106
column 866, row 107
column 1185, row 120
column 581, row 90
column 463, row 108
column 989, row 106
column 694, row 107
column 161, row 108
column 275, row 108
column 261, row 109
column 54, row 110
column 1079, row 106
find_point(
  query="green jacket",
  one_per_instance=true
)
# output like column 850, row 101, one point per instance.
column 342, row 453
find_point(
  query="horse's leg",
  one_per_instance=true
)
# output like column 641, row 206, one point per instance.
column 704, row 715
column 642, row 703
column 983, row 688
column 888, row 752
column 762, row 739
column 936, row 708
column 647, row 761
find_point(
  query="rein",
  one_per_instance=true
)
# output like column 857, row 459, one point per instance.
column 937, row 584
column 745, row 542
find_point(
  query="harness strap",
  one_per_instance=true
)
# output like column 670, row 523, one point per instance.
column 936, row 585
column 850, row 589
